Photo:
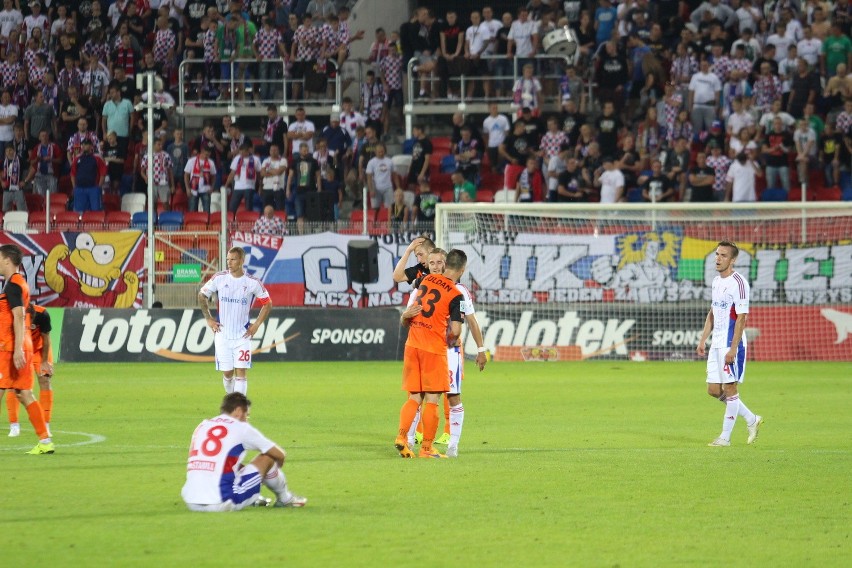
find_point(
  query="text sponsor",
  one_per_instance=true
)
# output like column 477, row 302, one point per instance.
column 676, row 338
column 350, row 336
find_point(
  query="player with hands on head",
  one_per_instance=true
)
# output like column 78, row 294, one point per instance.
column 234, row 330
column 421, row 247
column 726, row 361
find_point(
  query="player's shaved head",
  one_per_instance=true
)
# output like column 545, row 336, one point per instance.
column 456, row 260
column 233, row 401
column 735, row 251
column 239, row 251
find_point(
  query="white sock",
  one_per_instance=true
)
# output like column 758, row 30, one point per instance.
column 413, row 430
column 732, row 406
column 241, row 385
column 228, row 384
column 456, row 423
column 747, row 414
column 276, row 481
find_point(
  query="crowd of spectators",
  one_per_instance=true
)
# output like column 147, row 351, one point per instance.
column 691, row 101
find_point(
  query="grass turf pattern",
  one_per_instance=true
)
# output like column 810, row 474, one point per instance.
column 561, row 464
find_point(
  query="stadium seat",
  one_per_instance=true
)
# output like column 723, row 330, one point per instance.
column 491, row 181
column 634, row 195
column 441, row 145
column 58, row 202
column 67, row 220
column 195, row 221
column 504, row 196
column 117, row 220
column 170, row 221
column 15, row 221
column 828, row 194
column 245, row 220
column 795, row 194
column 774, row 194
column 214, row 223
column 92, row 221
column 847, row 195
column 37, row 221
column 448, row 196
column 133, row 202
column 111, row 202
column 484, row 196
column 408, row 146
column 194, row 256
column 383, row 215
column 401, row 164
column 180, row 202
column 35, row 202
column 448, row 164
column 356, row 219
column 139, row 221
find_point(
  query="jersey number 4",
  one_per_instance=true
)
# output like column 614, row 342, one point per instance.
column 212, row 444
column 434, row 298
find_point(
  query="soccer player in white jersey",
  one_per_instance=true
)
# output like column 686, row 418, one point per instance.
column 727, row 358
column 455, row 355
column 216, row 479
column 232, row 325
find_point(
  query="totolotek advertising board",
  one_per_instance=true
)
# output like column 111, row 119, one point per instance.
column 183, row 335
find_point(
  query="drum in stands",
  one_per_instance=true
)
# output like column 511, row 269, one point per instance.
column 561, row 41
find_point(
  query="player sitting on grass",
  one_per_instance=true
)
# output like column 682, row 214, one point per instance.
column 216, row 481
column 455, row 359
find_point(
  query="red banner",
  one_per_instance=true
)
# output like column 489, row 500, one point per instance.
column 799, row 333
column 83, row 270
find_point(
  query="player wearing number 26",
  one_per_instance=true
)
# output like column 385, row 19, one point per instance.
column 424, row 370
column 726, row 361
column 237, row 291
column 216, row 479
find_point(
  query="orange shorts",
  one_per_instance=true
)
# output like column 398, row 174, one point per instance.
column 12, row 377
column 423, row 371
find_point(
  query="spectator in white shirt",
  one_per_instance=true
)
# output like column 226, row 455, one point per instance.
column 380, row 178
column 739, row 119
column 301, row 130
column 611, row 182
column 703, row 101
column 523, row 37
column 477, row 40
column 273, row 171
column 494, row 128
column 781, row 42
column 810, row 47
column 740, row 180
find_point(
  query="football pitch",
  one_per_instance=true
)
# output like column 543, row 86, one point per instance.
column 561, row 464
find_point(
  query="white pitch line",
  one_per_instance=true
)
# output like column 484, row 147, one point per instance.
column 91, row 439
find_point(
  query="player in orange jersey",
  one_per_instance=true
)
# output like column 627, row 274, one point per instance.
column 42, row 367
column 424, row 373
column 16, row 345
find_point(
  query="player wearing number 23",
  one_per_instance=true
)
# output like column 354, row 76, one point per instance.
column 424, row 371
column 216, row 480
column 237, row 291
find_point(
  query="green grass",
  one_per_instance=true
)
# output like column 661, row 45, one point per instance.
column 564, row 464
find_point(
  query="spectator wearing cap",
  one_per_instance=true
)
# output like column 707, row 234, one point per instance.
column 87, row 174
column 703, row 101
column 337, row 140
column 611, row 182
column 36, row 20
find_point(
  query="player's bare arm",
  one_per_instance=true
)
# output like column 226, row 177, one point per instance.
column 18, row 325
column 208, row 317
column 705, row 333
column 455, row 330
column 409, row 313
column 278, row 455
column 399, row 269
column 261, row 317
column 739, row 328
column 476, row 331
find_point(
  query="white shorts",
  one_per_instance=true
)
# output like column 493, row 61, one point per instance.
column 719, row 372
column 455, row 359
column 232, row 353
column 244, row 493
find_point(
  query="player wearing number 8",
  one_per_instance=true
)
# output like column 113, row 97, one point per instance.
column 424, row 371
column 216, row 480
column 233, row 328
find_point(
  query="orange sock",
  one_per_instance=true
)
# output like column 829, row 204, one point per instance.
column 37, row 419
column 406, row 416
column 12, row 406
column 420, row 426
column 429, row 417
column 446, row 416
column 45, row 399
